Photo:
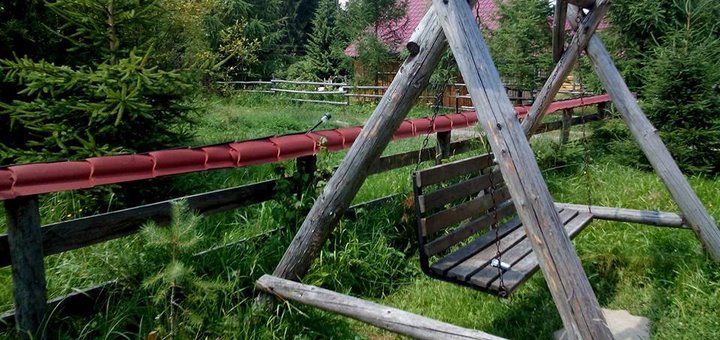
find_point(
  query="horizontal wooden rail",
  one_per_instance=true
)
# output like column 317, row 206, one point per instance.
column 342, row 93
column 280, row 81
column 392, row 319
column 650, row 217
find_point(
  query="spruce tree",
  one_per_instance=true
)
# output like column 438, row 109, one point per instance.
column 323, row 51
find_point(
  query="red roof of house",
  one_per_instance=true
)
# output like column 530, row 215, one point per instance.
column 397, row 32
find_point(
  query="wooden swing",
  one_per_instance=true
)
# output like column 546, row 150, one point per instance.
column 468, row 226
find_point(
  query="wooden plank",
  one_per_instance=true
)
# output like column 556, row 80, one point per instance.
column 563, row 68
column 444, row 172
column 80, row 302
column 569, row 286
column 400, row 160
column 468, row 210
column 452, row 193
column 297, row 82
column 653, row 147
column 523, row 269
column 465, row 231
column 657, row 218
column 28, row 267
column 82, row 232
column 318, row 101
column 409, row 82
column 392, row 319
column 573, row 223
column 448, row 262
column 465, row 269
column 308, row 92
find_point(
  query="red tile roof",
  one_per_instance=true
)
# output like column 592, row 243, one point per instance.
column 396, row 33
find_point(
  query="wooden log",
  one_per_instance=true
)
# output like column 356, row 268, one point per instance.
column 559, row 29
column 569, row 286
column 583, row 3
column 392, row 319
column 655, row 150
column 28, row 266
column 566, row 124
column 553, row 84
column 409, row 82
column 657, row 218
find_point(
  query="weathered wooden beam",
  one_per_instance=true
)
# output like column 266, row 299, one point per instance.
column 650, row 217
column 409, row 82
column 546, row 95
column 392, row 319
column 559, row 29
column 568, row 283
column 28, row 266
column 655, row 150
column 582, row 3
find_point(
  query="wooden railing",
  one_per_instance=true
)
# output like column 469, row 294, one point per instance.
column 454, row 96
column 27, row 243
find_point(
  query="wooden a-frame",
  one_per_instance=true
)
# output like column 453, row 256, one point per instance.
column 568, row 284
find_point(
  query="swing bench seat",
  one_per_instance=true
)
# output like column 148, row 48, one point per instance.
column 457, row 204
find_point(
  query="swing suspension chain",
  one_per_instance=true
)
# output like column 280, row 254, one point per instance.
column 437, row 103
column 497, row 261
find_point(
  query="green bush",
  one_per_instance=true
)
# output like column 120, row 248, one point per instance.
column 682, row 97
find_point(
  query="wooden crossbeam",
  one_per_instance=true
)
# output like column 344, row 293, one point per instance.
column 392, row 319
column 569, row 286
column 559, row 29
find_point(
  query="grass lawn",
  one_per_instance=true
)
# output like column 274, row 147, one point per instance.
column 659, row 273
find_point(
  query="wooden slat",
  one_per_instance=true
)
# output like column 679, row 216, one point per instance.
column 529, row 264
column 392, row 319
column 468, row 210
column 485, row 277
column 463, row 271
column 657, row 218
column 446, row 263
column 462, row 233
column 441, row 197
column 447, row 171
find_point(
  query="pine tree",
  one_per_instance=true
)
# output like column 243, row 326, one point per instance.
column 323, row 51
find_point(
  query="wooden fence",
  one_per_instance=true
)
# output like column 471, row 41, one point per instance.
column 454, row 96
column 27, row 243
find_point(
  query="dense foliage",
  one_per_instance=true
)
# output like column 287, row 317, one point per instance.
column 669, row 53
column 521, row 46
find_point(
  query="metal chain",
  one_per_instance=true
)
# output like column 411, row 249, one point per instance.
column 502, row 291
column 586, row 161
column 437, row 104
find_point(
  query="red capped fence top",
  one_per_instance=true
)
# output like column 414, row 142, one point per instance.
column 40, row 178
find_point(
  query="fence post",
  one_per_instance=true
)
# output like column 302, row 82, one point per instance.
column 306, row 166
column 442, row 149
column 28, row 267
column 566, row 123
column 602, row 110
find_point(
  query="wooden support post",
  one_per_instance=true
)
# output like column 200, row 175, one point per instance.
column 28, row 267
column 602, row 110
column 564, row 66
column 443, row 146
column 649, row 141
column 409, row 82
column 568, row 283
column 566, row 123
column 392, row 319
column 559, row 29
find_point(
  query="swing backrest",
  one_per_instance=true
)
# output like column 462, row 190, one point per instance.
column 454, row 204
